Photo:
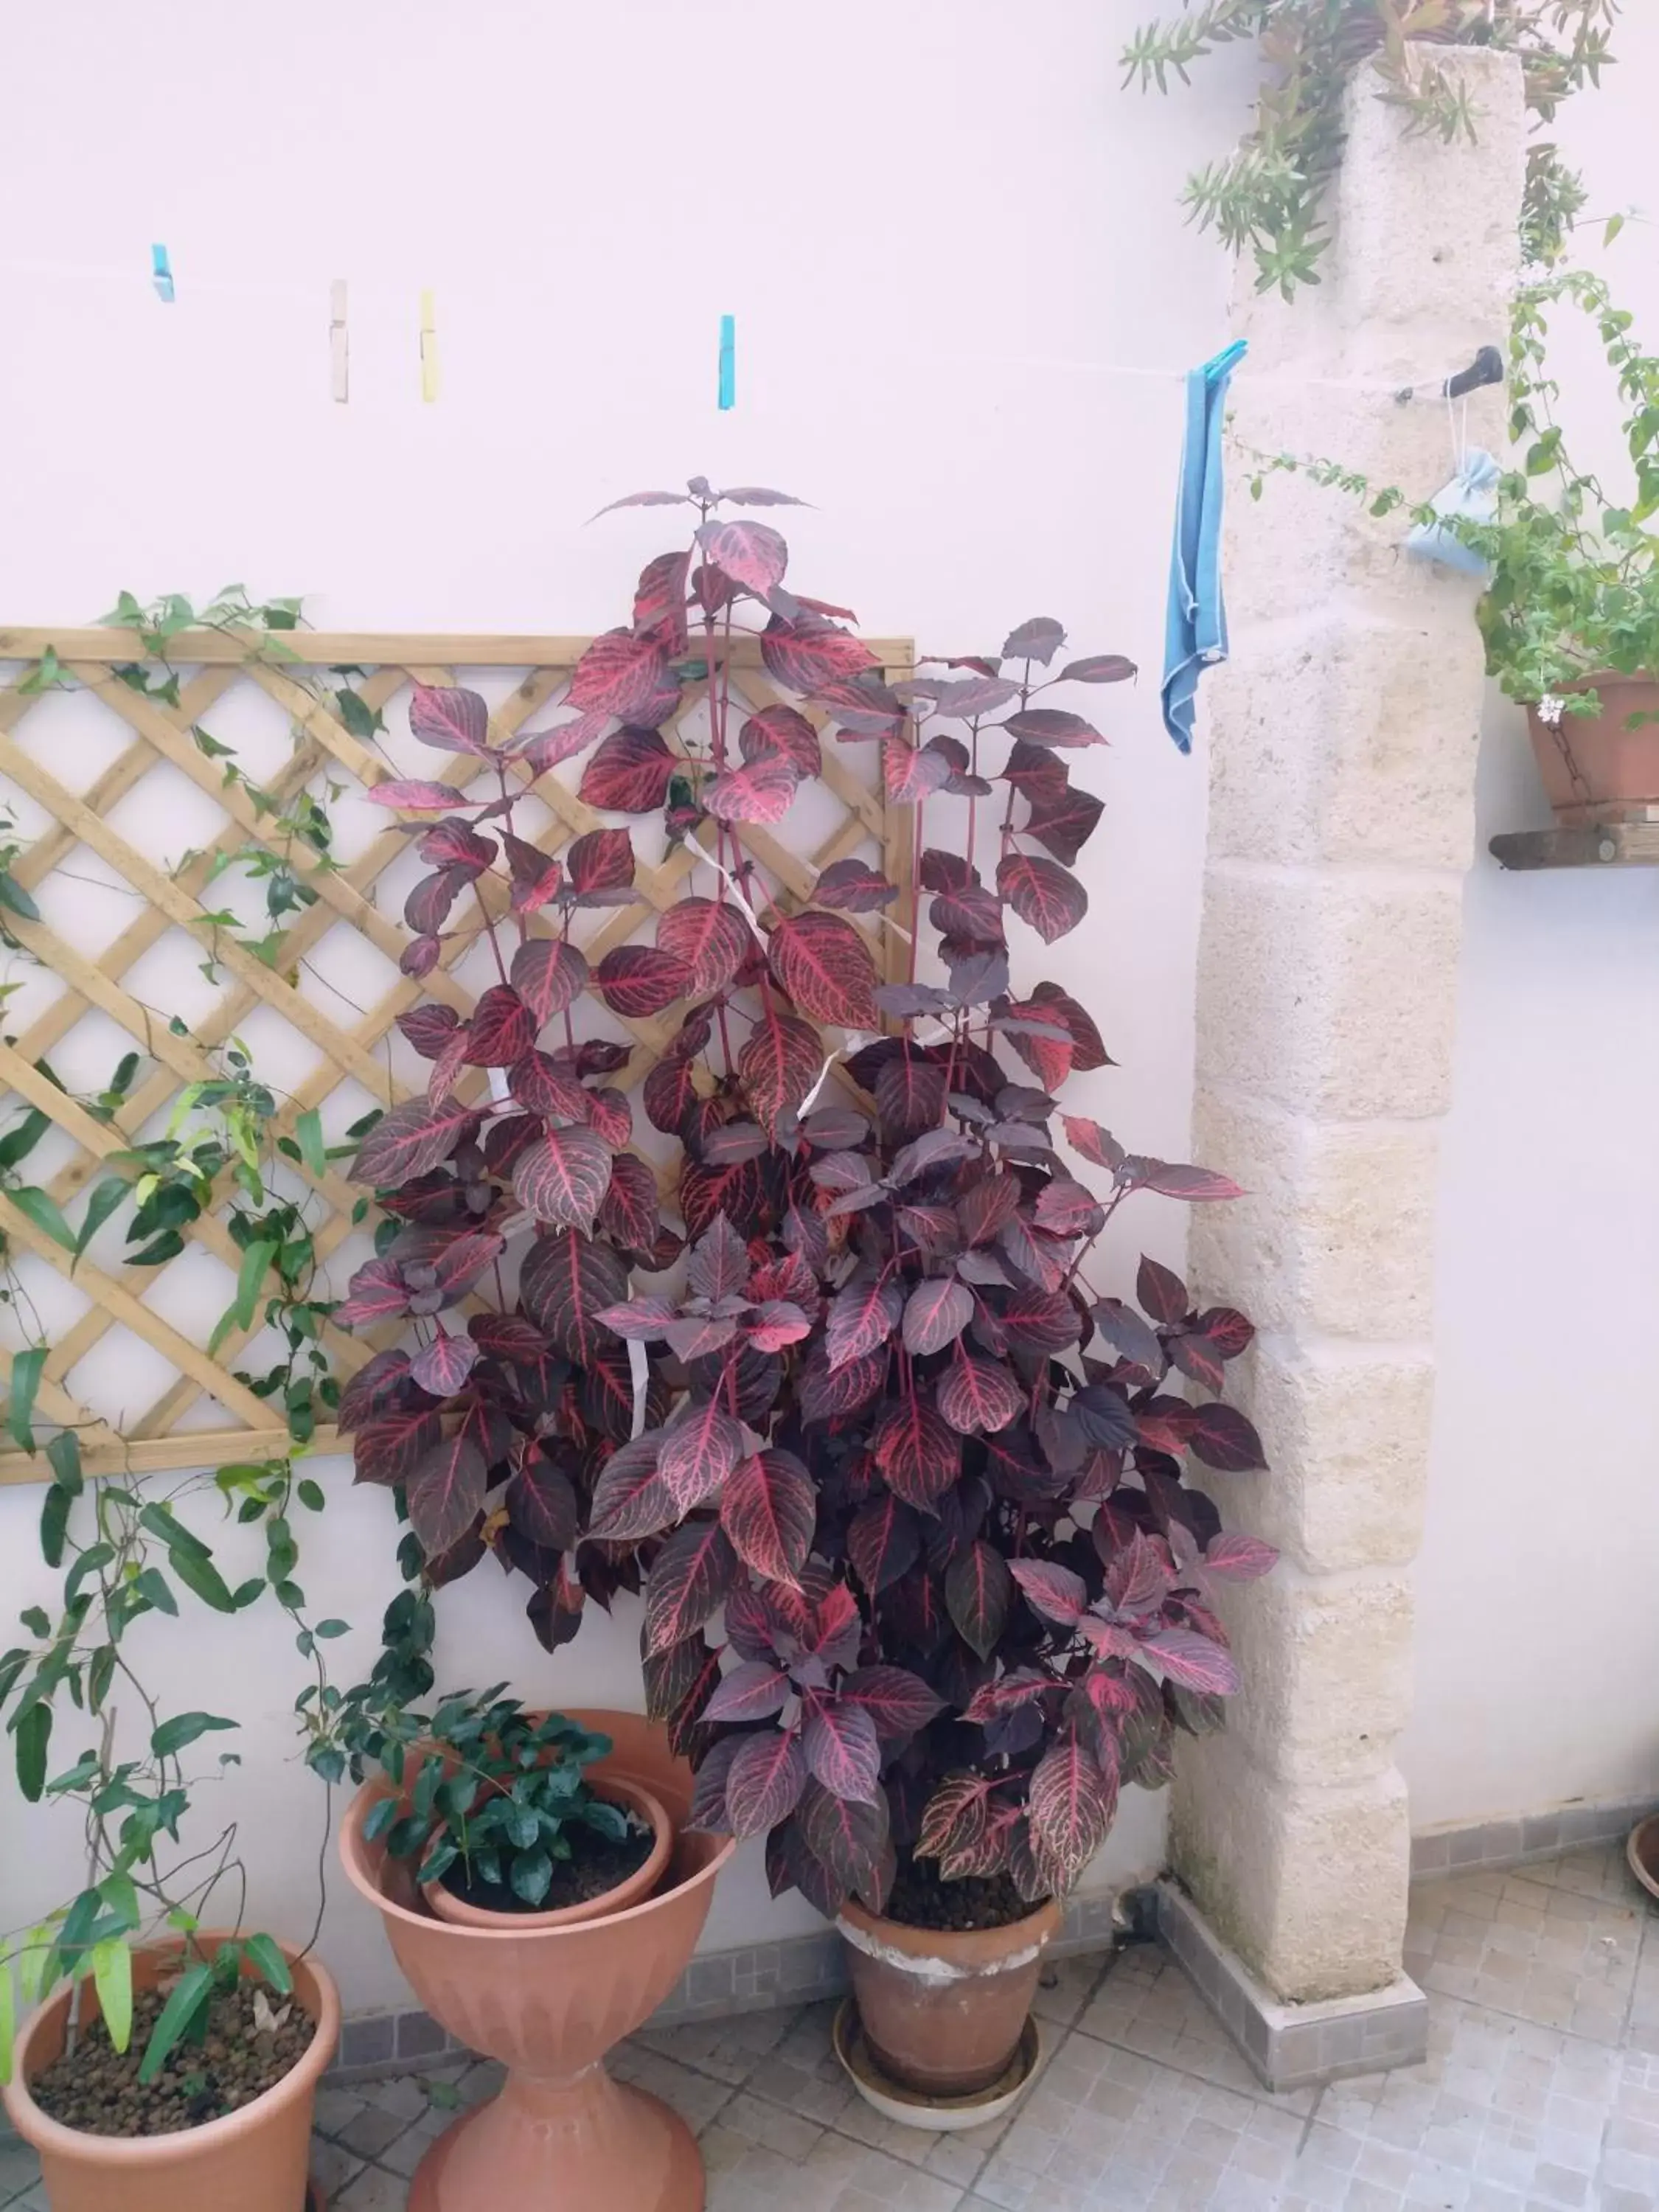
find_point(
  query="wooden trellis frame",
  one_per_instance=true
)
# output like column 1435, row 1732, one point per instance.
column 211, row 663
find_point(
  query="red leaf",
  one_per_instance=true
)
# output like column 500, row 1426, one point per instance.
column 1194, row 1184
column 979, row 1394
column 1040, row 639
column 854, row 887
column 689, row 1578
column 537, row 876
column 1239, row 1558
column 863, row 1315
column 1063, row 821
column 763, row 791
column 754, row 1691
column 428, row 906
column 1055, row 1592
column 883, row 1541
column 955, row 1816
column 1223, row 1438
column 429, row 1028
column 1057, row 1005
column 565, row 1283
column 445, row 1492
column 910, row 772
column 972, row 695
column 619, row 674
column 410, row 795
column 1051, row 726
column 898, row 1702
column 1161, row 1292
column 643, row 499
column 388, row 1449
column 501, row 1030
column 659, row 601
column 1226, row 1329
column 603, row 860
column 978, row 1588
column 377, row 1291
column 629, row 773
column 454, row 843
column 541, row 1503
column 1193, row 1661
column 769, row 1511
column 410, row 1140
column 786, row 732
column 779, row 1064
column 563, row 1177
column 638, row 979
column 1070, row 1805
column 452, row 719
column 1096, row 1145
column 631, row 1498
column 827, row 968
column 641, row 1320
column 546, row 749
column 628, row 1214
column 842, row 1750
column 538, row 1083
column 1041, row 1321
column 776, row 1322
column 612, row 1116
column 808, row 653
column 377, row 1384
column 750, row 553
column 698, row 1452
column 1034, row 770
column 765, row 1782
column 1043, row 893
column 918, row 1456
column 444, row 1365
column 669, row 1091
column 994, row 1701
column 829, row 1395
column 710, row 937
column 1097, row 668
column 935, row 1314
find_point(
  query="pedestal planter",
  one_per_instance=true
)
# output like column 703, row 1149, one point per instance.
column 943, row 2010
column 549, row 2003
column 253, row 2159
column 1595, row 768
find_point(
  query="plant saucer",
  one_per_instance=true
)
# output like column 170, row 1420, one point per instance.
column 914, row 2108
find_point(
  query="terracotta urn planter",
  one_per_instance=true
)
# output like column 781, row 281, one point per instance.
column 616, row 1790
column 549, row 2003
column 1595, row 769
column 942, row 2009
column 253, row 2159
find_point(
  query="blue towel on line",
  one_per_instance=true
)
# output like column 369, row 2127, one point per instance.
column 1197, row 628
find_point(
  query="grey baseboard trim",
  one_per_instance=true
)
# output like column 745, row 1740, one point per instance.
column 1292, row 2046
column 799, row 1970
column 1467, row 1847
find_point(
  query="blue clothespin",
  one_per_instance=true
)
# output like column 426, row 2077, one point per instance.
column 160, row 273
column 1226, row 361
column 728, row 371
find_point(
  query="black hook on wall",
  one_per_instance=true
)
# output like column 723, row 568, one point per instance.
column 1487, row 367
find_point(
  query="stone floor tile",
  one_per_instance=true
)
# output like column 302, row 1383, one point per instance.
column 373, row 2191
column 695, row 2097
column 729, row 2049
column 372, row 2131
column 331, row 2167
column 1066, row 1987
column 20, row 2170
column 403, row 2093
column 336, row 2109
column 1145, row 2004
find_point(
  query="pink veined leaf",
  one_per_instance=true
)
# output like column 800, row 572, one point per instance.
column 954, row 1815
column 546, row 749
column 619, row 674
column 410, row 795
column 502, row 1030
column 1042, row 893
column 1040, row 639
column 453, row 719
column 410, row 1140
column 1070, row 1805
column 710, row 936
column 689, row 1577
column 1050, row 725
column 1096, row 1145
column 749, row 552
column 643, row 499
column 562, row 1177
column 377, row 1293
column 764, row 1783
column 753, row 1690
column 910, row 772
column 762, row 790
column 898, row 1701
column 918, row 1453
column 1239, row 1558
column 977, row 1394
column 768, row 1508
column 1196, row 1185
column 698, row 1453
column 630, row 1499
column 935, row 1314
column 599, row 861
column 446, row 1491
column 548, row 976
column 1223, row 1438
column 1054, row 1591
column 1194, row 1661
column 637, row 981
column 854, row 887
column 978, row 1588
column 827, row 968
column 842, row 1750
column 629, row 773
column 659, row 601
column 1097, row 668
column 785, row 733
column 444, row 1365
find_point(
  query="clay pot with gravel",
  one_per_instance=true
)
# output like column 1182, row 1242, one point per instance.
column 255, row 2087
column 550, row 1995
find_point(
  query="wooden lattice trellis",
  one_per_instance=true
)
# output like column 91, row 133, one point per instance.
column 211, row 663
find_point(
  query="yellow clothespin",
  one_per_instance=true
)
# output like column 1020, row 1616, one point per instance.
column 429, row 346
column 339, row 359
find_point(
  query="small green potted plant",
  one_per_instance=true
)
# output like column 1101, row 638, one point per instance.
column 498, row 1815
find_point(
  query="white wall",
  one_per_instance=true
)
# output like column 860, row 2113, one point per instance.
column 1538, row 1636
column 935, row 222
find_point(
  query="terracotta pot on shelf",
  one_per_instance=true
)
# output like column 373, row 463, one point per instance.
column 253, row 2159
column 549, row 2003
column 617, row 1790
column 1595, row 769
column 944, row 2009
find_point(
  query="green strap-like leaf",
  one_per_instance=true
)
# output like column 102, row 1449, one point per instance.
column 34, row 1735
column 44, row 1213
column 7, row 2019
column 26, row 1370
column 184, row 1728
column 263, row 1952
column 112, row 1977
column 309, row 1131
column 105, row 1197
column 190, row 1992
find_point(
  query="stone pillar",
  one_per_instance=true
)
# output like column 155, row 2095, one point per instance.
column 1342, row 738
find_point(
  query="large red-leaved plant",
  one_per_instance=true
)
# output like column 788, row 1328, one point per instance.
column 930, row 1480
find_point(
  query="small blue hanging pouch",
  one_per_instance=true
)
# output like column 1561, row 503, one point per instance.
column 1471, row 496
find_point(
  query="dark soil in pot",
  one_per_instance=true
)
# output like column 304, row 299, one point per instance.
column 600, row 1863
column 921, row 1900
column 96, row 2088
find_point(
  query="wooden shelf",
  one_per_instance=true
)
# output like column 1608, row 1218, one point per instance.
column 1581, row 845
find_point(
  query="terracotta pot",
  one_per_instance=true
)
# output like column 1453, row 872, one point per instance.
column 1594, row 769
column 1642, row 1853
column 639, row 1884
column 254, row 2160
column 548, row 2002
column 942, row 2009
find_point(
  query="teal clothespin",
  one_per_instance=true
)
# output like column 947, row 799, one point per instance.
column 728, row 371
column 160, row 273
column 1227, row 359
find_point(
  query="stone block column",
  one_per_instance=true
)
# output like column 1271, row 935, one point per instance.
column 1342, row 738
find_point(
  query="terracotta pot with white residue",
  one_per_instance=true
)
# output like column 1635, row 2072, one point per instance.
column 942, row 2009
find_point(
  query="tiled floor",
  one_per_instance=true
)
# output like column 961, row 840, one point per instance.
column 1540, row 2092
